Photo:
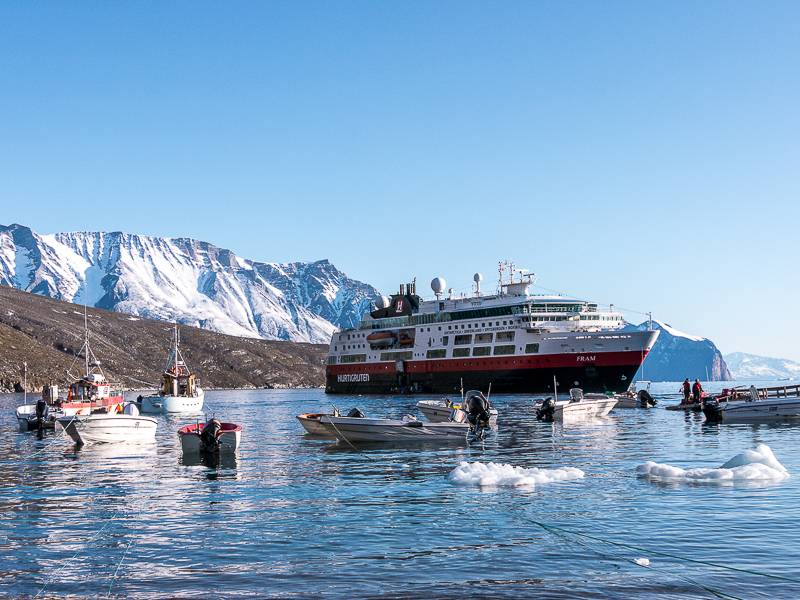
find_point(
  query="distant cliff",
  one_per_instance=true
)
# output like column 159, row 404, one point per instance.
column 48, row 334
column 752, row 366
column 678, row 355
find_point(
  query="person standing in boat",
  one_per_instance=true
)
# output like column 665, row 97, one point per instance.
column 687, row 391
column 697, row 391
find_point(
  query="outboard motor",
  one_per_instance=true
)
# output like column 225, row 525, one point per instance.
column 477, row 408
column 354, row 412
column 209, row 438
column 546, row 412
column 713, row 411
column 41, row 412
column 645, row 399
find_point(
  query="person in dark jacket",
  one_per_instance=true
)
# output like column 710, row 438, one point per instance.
column 687, row 391
column 697, row 391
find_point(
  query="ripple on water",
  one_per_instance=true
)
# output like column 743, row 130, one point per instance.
column 296, row 516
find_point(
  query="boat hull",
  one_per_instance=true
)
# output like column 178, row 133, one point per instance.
column 311, row 423
column 439, row 412
column 763, row 411
column 173, row 404
column 585, row 409
column 351, row 429
column 191, row 442
column 109, row 428
column 447, row 376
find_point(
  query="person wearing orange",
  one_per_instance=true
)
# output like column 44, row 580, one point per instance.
column 697, row 391
column 687, row 391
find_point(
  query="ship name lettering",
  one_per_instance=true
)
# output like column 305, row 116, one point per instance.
column 589, row 358
column 353, row 377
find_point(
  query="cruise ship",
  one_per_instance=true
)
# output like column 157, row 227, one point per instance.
column 516, row 341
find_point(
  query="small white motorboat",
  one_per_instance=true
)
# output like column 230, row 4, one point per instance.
column 179, row 391
column 579, row 406
column 441, row 411
column 110, row 427
column 214, row 436
column 360, row 429
column 637, row 396
column 28, row 417
column 756, row 405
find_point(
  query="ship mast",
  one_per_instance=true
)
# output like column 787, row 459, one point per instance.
column 86, row 339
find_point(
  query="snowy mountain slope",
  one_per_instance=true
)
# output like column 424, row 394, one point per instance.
column 752, row 366
column 677, row 355
column 184, row 280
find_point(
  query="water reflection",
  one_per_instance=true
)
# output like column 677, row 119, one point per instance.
column 307, row 517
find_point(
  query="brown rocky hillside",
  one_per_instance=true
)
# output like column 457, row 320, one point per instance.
column 49, row 333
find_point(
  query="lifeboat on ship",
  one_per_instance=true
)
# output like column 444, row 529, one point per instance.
column 382, row 339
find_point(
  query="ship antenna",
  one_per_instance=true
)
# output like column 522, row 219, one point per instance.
column 25, row 382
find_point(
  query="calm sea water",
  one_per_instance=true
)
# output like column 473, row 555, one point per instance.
column 300, row 517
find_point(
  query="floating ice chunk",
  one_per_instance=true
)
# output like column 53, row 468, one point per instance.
column 500, row 474
column 642, row 562
column 758, row 464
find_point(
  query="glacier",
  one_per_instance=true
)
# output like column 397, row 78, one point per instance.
column 185, row 280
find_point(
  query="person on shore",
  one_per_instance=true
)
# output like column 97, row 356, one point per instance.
column 687, row 391
column 697, row 391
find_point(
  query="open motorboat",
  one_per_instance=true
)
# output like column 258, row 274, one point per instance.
column 39, row 416
column 311, row 421
column 113, row 426
column 441, row 411
column 179, row 391
column 361, row 429
column 579, row 406
column 637, row 396
column 214, row 436
column 754, row 405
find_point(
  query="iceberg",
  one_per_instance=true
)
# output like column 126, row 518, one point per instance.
column 756, row 465
column 500, row 474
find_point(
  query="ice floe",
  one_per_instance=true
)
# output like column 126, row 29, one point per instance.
column 500, row 474
column 754, row 465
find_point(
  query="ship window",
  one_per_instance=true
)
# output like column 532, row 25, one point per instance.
column 503, row 350
column 440, row 353
column 331, row 360
column 460, row 352
column 484, row 338
column 397, row 355
column 462, row 340
column 353, row 358
column 505, row 336
column 446, row 340
column 335, row 347
column 481, row 351
column 531, row 348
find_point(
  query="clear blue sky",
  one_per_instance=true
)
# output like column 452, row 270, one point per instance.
column 638, row 153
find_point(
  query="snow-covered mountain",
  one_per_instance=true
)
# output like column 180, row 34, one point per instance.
column 184, row 280
column 751, row 366
column 678, row 355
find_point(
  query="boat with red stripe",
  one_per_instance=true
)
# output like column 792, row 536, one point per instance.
column 514, row 339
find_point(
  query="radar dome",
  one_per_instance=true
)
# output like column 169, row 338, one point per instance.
column 438, row 285
column 382, row 302
column 477, row 278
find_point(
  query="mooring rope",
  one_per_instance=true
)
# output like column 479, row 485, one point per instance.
column 554, row 528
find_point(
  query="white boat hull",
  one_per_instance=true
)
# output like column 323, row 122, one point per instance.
column 352, row 429
column 311, row 423
column 438, row 411
column 762, row 411
column 228, row 441
column 585, row 409
column 109, row 428
column 174, row 404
